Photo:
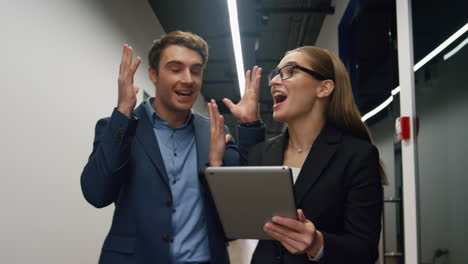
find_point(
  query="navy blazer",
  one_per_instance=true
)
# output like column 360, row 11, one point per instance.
column 126, row 168
column 339, row 189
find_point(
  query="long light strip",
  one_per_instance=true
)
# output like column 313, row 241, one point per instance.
column 377, row 109
column 456, row 49
column 235, row 35
column 441, row 47
column 417, row 66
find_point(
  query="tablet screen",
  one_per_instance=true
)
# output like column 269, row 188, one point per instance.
column 248, row 197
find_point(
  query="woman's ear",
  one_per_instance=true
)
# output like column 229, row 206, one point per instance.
column 326, row 88
column 153, row 75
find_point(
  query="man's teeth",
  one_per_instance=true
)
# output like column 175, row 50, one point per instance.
column 186, row 93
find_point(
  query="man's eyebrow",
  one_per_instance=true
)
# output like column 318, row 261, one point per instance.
column 174, row 62
column 177, row 62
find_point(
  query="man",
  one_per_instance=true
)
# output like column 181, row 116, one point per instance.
column 146, row 160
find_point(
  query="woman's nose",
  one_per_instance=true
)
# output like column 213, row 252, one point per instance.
column 275, row 80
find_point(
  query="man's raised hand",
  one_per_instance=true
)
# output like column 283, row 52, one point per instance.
column 127, row 90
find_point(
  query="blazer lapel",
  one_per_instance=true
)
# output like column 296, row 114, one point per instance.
column 274, row 154
column 320, row 154
column 148, row 141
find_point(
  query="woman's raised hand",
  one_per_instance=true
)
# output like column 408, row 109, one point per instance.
column 247, row 109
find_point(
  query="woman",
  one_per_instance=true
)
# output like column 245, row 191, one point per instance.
column 337, row 174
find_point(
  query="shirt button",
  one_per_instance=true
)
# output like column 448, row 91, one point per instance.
column 175, row 154
column 174, row 182
column 173, row 210
column 169, row 203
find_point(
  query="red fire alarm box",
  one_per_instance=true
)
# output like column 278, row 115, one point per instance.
column 402, row 127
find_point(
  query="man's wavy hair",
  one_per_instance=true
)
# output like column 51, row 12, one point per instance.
column 185, row 39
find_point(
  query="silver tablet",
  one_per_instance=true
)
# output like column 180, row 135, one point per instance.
column 248, row 197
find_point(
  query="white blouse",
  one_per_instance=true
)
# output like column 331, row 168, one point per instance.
column 295, row 173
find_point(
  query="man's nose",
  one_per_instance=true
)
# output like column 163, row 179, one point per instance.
column 187, row 77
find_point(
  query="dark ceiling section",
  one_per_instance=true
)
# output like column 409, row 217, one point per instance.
column 268, row 29
column 370, row 44
column 285, row 25
column 368, row 49
column 375, row 34
column 434, row 21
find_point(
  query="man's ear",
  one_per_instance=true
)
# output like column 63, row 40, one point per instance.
column 153, row 75
column 326, row 87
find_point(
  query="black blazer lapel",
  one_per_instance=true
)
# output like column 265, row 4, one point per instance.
column 319, row 156
column 273, row 154
column 148, row 141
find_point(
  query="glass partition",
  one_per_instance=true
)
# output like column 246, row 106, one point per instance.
column 441, row 94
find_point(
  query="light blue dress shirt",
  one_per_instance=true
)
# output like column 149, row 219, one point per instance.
column 178, row 149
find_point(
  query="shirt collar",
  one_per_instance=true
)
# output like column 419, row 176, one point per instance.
column 157, row 120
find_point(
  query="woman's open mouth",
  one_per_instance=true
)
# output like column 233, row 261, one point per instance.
column 278, row 98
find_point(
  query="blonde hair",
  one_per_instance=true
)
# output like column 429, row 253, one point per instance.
column 342, row 110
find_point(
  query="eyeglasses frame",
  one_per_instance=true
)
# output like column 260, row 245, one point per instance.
column 276, row 72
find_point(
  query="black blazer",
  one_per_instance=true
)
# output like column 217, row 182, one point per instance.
column 339, row 189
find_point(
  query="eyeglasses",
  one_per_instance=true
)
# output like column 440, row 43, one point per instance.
column 287, row 71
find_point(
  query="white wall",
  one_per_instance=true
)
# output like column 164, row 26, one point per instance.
column 58, row 72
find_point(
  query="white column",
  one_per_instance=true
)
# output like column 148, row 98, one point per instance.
column 409, row 146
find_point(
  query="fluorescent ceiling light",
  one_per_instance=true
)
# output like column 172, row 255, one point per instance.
column 456, row 49
column 396, row 91
column 236, row 42
column 377, row 109
column 421, row 63
column 441, row 47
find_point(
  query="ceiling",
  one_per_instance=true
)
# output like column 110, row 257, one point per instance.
column 268, row 29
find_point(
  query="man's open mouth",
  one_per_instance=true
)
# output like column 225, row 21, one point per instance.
column 184, row 93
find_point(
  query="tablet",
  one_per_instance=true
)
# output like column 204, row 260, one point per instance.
column 248, row 197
